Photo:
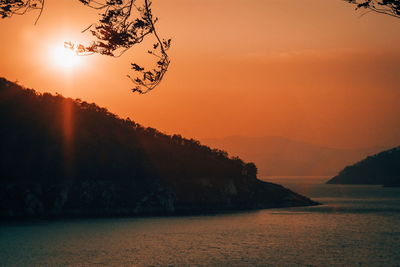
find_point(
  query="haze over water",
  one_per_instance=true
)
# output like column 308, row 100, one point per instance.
column 356, row 226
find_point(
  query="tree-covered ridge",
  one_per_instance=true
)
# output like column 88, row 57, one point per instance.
column 381, row 169
column 70, row 157
column 107, row 127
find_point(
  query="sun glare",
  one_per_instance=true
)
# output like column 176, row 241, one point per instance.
column 64, row 58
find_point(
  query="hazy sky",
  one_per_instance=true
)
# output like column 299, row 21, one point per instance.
column 313, row 70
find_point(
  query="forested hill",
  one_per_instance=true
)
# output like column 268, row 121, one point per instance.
column 64, row 157
column 381, row 169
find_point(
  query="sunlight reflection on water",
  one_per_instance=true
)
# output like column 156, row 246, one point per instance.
column 345, row 231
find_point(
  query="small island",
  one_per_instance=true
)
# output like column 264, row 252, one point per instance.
column 380, row 169
column 61, row 157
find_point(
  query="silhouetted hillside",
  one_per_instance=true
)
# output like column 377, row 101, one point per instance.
column 380, row 169
column 284, row 157
column 64, row 157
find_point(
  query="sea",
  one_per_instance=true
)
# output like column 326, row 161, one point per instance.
column 354, row 226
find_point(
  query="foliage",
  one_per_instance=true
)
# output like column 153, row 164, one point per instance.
column 387, row 7
column 123, row 24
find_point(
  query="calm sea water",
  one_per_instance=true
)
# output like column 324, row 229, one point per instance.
column 356, row 226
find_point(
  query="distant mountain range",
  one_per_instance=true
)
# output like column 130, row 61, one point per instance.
column 380, row 169
column 278, row 156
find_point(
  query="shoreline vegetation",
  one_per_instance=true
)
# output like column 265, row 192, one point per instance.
column 61, row 157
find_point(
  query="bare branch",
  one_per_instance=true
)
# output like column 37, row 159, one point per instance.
column 40, row 13
column 120, row 28
column 9, row 8
column 387, row 7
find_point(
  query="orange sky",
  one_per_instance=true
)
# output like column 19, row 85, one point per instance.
column 312, row 70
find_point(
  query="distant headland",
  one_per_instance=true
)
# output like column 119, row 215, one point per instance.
column 380, row 169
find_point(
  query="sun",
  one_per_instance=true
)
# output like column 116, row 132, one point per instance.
column 64, row 58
